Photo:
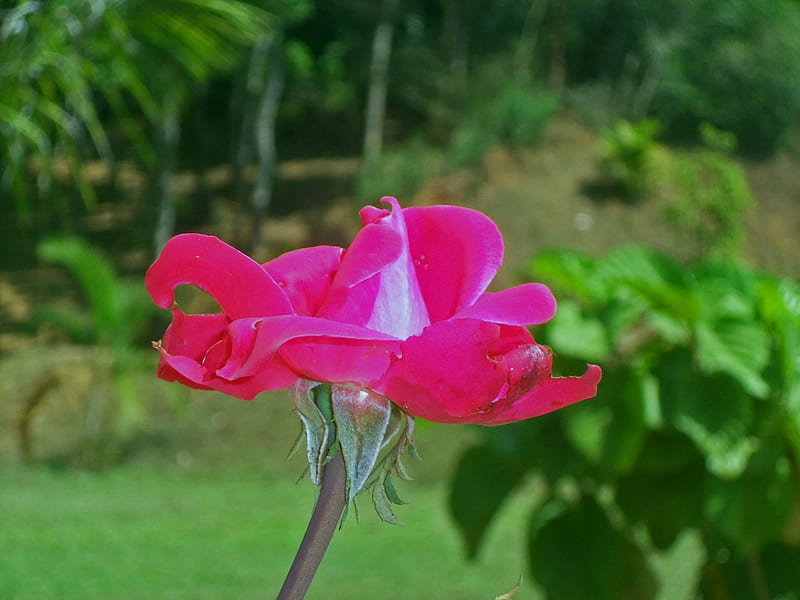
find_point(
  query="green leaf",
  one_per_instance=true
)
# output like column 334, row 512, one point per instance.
column 755, row 508
column 310, row 398
column 98, row 281
column 577, row 335
column 610, row 429
column 739, row 348
column 575, row 552
column 666, row 452
column 654, row 277
column 713, row 411
column 569, row 272
column 725, row 290
column 483, row 479
column 383, row 504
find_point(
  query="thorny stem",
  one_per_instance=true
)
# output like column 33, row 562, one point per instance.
column 324, row 520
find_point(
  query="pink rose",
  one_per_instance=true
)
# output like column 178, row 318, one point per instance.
column 403, row 312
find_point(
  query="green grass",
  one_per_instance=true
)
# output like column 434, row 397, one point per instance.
column 160, row 532
column 207, row 507
column 214, row 511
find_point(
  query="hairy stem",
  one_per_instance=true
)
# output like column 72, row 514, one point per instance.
column 327, row 512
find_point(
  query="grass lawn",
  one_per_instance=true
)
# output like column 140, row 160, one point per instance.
column 215, row 511
column 158, row 532
column 211, row 509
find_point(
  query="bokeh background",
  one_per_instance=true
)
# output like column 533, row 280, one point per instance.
column 641, row 158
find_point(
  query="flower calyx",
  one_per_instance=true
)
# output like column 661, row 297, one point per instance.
column 367, row 428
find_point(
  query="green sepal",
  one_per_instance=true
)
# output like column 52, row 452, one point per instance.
column 361, row 419
column 391, row 492
column 370, row 431
column 308, row 396
column 383, row 504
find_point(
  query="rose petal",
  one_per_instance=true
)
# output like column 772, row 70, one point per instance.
column 549, row 395
column 456, row 252
column 399, row 307
column 445, row 374
column 314, row 348
column 527, row 304
column 376, row 285
column 468, row 371
column 371, row 214
column 306, row 275
column 351, row 298
column 192, row 335
column 194, row 375
column 340, row 360
column 196, row 348
column 238, row 283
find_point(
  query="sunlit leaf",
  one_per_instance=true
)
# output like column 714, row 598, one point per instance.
column 568, row 272
column 738, row 348
column 609, row 431
column 656, row 277
column 576, row 335
column 714, row 411
column 483, row 479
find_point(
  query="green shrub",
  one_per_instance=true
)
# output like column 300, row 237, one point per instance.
column 696, row 428
column 710, row 197
column 516, row 117
column 112, row 326
column 627, row 157
column 401, row 172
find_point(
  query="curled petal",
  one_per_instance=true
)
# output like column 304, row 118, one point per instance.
column 314, row 348
column 469, row 371
column 184, row 347
column 549, row 395
column 238, row 283
column 306, row 275
column 193, row 335
column 456, row 252
column 196, row 348
column 527, row 304
column 371, row 214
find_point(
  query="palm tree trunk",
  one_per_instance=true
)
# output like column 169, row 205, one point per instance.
column 378, row 86
column 170, row 136
column 266, row 118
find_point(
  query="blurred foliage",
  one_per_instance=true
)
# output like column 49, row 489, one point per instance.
column 77, row 75
column 96, row 80
column 696, row 427
column 402, row 171
column 112, row 324
column 514, row 115
column 734, row 65
column 118, row 311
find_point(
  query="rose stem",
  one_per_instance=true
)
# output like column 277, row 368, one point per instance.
column 324, row 521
